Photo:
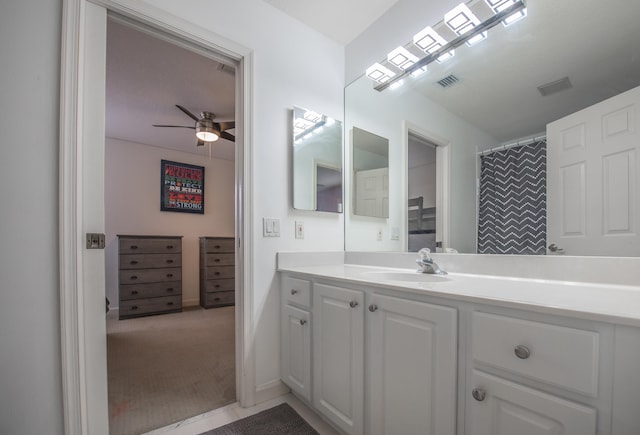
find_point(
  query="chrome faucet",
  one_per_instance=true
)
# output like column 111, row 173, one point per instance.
column 426, row 263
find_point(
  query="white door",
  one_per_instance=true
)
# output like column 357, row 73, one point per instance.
column 372, row 193
column 296, row 350
column 593, row 179
column 501, row 407
column 338, row 356
column 413, row 370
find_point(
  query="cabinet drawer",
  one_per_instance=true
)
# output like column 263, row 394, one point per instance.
column 134, row 276
column 296, row 291
column 558, row 355
column 222, row 272
column 142, row 307
column 220, row 285
column 152, row 290
column 148, row 261
column 151, row 245
column 219, row 245
column 218, row 299
column 220, row 259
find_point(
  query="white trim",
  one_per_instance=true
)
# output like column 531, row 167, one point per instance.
column 443, row 181
column 271, row 390
column 73, row 320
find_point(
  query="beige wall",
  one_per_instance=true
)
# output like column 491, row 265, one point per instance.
column 132, row 206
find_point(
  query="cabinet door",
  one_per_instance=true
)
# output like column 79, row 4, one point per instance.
column 501, row 407
column 338, row 356
column 412, row 367
column 296, row 350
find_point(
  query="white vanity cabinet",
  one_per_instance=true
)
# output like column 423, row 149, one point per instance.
column 338, row 356
column 538, row 357
column 412, row 357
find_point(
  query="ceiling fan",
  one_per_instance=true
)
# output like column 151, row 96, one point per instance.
column 207, row 130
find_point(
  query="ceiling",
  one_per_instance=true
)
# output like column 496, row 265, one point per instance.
column 147, row 76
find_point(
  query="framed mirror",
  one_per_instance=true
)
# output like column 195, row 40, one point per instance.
column 501, row 94
column 317, row 161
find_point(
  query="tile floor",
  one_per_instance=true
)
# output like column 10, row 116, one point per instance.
column 220, row 417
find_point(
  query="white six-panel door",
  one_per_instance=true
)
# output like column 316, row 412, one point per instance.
column 593, row 179
column 413, row 367
column 338, row 356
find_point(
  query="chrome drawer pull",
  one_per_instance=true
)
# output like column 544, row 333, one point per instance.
column 353, row 304
column 479, row 394
column 303, row 322
column 373, row 307
column 294, row 292
column 522, row 352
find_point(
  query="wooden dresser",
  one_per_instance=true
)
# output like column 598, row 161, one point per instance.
column 150, row 275
column 217, row 271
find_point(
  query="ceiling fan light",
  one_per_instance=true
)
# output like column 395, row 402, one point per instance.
column 207, row 136
column 205, row 129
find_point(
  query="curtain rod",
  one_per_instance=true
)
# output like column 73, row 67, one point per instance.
column 513, row 144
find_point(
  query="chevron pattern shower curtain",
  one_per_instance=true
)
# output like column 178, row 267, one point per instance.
column 512, row 216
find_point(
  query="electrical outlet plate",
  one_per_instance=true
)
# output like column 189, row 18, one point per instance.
column 379, row 235
column 299, row 230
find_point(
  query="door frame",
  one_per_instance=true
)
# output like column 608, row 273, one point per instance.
column 443, row 183
column 82, row 333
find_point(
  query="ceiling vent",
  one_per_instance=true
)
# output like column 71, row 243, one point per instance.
column 554, row 87
column 448, row 81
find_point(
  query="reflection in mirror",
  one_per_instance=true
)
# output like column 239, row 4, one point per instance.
column 317, row 161
column 370, row 174
column 535, row 79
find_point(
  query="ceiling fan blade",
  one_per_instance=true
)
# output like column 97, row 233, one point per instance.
column 227, row 125
column 189, row 114
column 174, row 126
column 227, row 136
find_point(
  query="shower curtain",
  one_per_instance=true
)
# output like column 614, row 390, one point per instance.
column 512, row 215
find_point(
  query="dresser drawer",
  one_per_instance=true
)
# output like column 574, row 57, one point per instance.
column 147, row 261
column 140, row 307
column 219, row 245
column 150, row 245
column 217, row 259
column 134, row 276
column 296, row 291
column 220, row 272
column 152, row 290
column 217, row 299
column 558, row 355
column 220, row 285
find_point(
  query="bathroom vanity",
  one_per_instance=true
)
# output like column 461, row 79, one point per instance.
column 385, row 350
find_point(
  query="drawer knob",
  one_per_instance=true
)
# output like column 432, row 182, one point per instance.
column 294, row 292
column 303, row 322
column 479, row 394
column 133, row 262
column 353, row 304
column 373, row 308
column 522, row 352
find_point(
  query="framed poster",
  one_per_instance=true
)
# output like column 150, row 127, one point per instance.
column 181, row 187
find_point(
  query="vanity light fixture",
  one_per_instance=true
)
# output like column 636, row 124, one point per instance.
column 396, row 85
column 470, row 31
column 429, row 41
column 419, row 72
column 461, row 20
column 500, row 5
column 379, row 73
column 402, row 58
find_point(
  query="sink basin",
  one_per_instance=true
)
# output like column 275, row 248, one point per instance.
column 406, row 276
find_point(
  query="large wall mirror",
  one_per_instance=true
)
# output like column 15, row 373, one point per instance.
column 317, row 161
column 494, row 96
column 370, row 174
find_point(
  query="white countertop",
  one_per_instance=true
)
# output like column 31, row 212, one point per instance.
column 618, row 304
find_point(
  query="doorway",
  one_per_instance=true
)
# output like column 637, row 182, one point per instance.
column 422, row 170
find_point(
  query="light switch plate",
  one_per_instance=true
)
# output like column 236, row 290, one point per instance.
column 270, row 227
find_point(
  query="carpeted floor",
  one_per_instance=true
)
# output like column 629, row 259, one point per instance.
column 163, row 369
column 279, row 420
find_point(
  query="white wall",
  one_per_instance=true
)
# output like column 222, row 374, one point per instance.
column 30, row 379
column 132, row 206
column 293, row 65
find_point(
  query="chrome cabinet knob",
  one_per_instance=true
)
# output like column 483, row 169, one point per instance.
column 353, row 304
column 522, row 352
column 303, row 322
column 294, row 292
column 479, row 394
column 373, row 307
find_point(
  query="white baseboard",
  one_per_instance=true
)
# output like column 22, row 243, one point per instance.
column 270, row 390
